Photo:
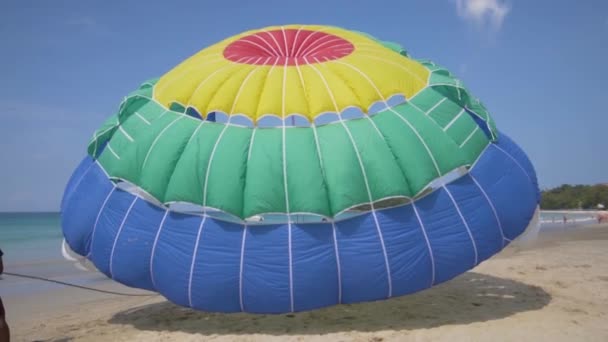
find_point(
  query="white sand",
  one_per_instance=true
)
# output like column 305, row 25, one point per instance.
column 556, row 291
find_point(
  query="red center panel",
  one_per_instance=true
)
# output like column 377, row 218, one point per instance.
column 288, row 47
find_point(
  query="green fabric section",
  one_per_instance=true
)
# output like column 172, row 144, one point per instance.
column 305, row 179
column 421, row 164
column 188, row 179
column 137, row 101
column 343, row 175
column 461, row 128
column 265, row 191
column 228, row 170
column 445, row 152
column 163, row 154
column 102, row 135
column 429, row 64
column 384, row 176
column 150, row 83
column 133, row 154
column 474, row 146
column 148, row 112
column 445, row 112
column 446, row 85
column 439, row 77
column 426, row 99
column 126, row 141
column 141, row 94
column 408, row 150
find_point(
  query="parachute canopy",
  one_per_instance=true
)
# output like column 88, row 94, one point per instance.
column 296, row 167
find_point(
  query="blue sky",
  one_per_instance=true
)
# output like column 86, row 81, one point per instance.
column 66, row 65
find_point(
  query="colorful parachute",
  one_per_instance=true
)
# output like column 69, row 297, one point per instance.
column 297, row 167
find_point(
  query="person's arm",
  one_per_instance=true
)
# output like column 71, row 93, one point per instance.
column 1, row 264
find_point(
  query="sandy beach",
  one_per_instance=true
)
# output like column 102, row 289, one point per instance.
column 555, row 290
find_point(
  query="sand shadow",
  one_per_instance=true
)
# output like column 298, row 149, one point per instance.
column 471, row 297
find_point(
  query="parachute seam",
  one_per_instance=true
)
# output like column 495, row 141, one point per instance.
column 241, row 268
column 286, row 188
column 316, row 140
column 468, row 138
column 338, row 270
column 193, row 262
column 103, row 205
column 428, row 243
column 180, row 153
column 464, row 221
column 366, row 114
column 210, row 164
column 263, row 88
column 502, row 234
column 229, row 71
column 155, row 141
column 246, row 170
column 154, row 244
column 516, row 162
column 122, row 224
column 407, row 70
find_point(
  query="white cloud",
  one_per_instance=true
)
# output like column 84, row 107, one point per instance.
column 482, row 12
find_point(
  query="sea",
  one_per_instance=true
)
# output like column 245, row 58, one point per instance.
column 32, row 242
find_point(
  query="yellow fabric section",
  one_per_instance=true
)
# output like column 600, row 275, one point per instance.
column 371, row 73
column 296, row 93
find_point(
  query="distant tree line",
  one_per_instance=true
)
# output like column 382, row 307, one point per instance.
column 574, row 197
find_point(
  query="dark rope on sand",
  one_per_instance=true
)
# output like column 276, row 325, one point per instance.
column 78, row 286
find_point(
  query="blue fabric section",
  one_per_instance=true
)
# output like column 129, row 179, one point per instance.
column 241, row 120
column 315, row 270
column 352, row 113
column 509, row 189
column 215, row 280
column 81, row 207
column 407, row 250
column 451, row 245
column 109, row 222
column 75, row 179
column 100, row 148
column 518, row 154
column 481, row 123
column 191, row 111
column 173, row 256
column 131, row 262
column 362, row 263
column 266, row 270
column 479, row 216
